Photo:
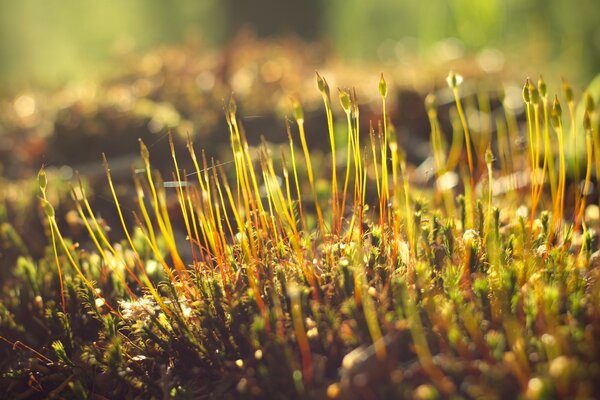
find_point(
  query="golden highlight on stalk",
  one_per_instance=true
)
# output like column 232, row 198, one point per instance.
column 49, row 211
column 67, row 251
column 385, row 192
column 569, row 97
column 98, row 232
column 148, row 284
column 454, row 81
column 325, row 94
column 587, row 126
column 299, row 114
column 559, row 205
column 548, row 143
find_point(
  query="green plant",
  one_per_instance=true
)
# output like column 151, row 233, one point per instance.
column 390, row 295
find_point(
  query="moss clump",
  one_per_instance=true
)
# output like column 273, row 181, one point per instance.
column 261, row 282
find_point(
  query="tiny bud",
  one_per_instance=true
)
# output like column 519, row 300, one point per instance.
column 144, row 151
column 568, row 91
column 534, row 95
column 345, row 100
column 489, row 156
column 383, row 89
column 322, row 85
column 298, row 111
column 556, row 108
column 590, row 106
column 542, row 87
column 430, row 102
column 454, row 80
column 232, row 105
column 526, row 93
column 556, row 113
column 42, row 179
column 587, row 124
column 47, row 207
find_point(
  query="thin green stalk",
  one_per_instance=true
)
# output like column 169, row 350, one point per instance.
column 324, row 89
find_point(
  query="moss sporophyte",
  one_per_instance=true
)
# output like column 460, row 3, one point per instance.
column 340, row 276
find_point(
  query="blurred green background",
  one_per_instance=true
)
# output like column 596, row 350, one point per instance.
column 45, row 42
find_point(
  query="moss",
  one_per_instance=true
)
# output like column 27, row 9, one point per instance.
column 254, row 285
